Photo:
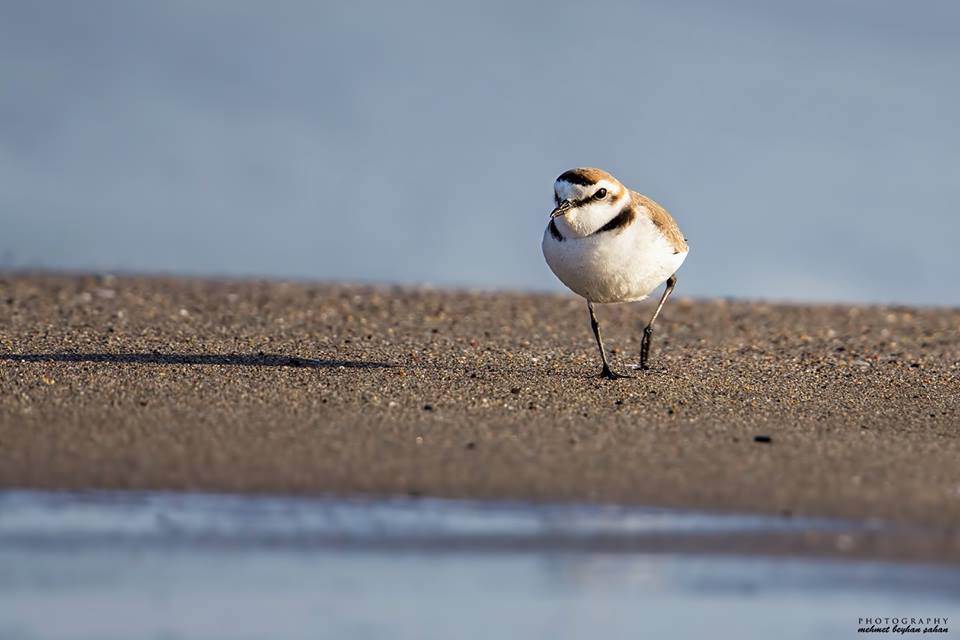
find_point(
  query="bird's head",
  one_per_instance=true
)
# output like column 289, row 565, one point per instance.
column 586, row 199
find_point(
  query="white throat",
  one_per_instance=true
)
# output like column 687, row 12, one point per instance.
column 588, row 218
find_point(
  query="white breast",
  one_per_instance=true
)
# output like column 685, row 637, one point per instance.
column 613, row 266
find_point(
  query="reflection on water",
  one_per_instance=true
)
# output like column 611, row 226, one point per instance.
column 188, row 566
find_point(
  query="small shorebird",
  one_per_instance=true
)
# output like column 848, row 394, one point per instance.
column 610, row 244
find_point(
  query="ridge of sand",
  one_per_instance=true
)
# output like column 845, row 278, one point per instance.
column 218, row 385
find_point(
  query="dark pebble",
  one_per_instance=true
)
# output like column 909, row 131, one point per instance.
column 765, row 439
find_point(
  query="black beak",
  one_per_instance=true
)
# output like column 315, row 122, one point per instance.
column 561, row 209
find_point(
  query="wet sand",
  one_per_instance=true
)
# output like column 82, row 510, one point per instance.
column 217, row 385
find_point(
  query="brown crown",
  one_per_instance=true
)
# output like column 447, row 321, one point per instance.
column 585, row 176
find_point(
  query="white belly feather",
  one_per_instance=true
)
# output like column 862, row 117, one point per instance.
column 622, row 265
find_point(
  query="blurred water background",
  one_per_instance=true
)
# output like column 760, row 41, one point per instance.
column 134, row 565
column 810, row 150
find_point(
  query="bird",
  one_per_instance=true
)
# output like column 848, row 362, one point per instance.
column 609, row 244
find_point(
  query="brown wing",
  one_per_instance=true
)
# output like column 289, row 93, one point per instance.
column 663, row 220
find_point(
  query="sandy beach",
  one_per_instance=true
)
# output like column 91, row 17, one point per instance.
column 219, row 385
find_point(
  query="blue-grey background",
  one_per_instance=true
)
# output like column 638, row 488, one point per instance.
column 810, row 150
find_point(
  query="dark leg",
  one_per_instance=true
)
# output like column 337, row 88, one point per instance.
column 648, row 330
column 606, row 372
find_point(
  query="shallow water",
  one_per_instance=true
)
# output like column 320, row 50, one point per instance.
column 132, row 565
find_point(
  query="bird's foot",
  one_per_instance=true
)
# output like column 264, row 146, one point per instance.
column 609, row 374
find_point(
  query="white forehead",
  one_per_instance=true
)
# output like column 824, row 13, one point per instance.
column 570, row 191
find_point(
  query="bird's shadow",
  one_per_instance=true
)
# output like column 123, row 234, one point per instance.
column 235, row 360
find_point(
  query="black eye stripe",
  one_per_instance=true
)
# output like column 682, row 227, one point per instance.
column 579, row 203
column 582, row 201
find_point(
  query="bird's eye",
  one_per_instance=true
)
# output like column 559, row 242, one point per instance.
column 600, row 194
